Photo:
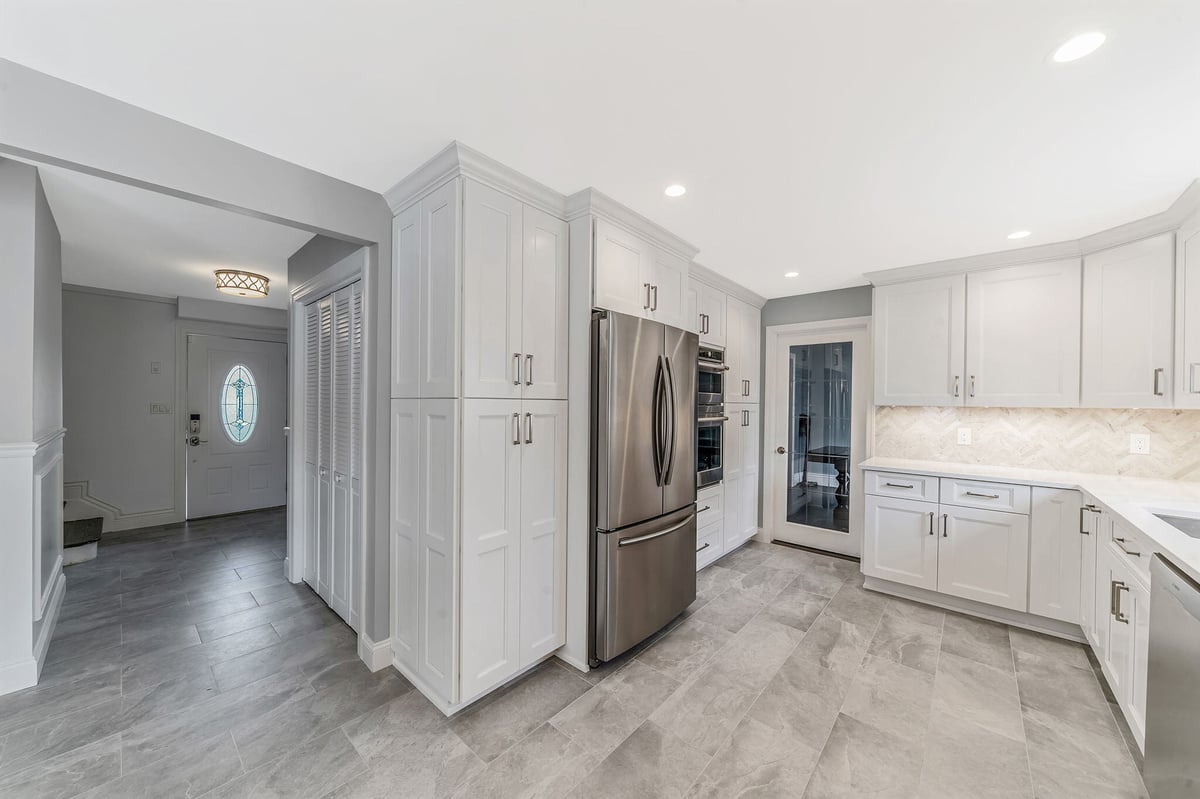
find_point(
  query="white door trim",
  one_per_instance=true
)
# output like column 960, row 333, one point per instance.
column 771, row 407
column 346, row 271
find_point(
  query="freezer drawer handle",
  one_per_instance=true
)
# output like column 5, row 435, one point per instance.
column 628, row 541
column 981, row 496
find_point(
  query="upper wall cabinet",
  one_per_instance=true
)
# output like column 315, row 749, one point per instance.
column 710, row 315
column 1023, row 336
column 479, row 297
column 1187, row 324
column 633, row 276
column 743, row 347
column 1128, row 324
column 919, row 342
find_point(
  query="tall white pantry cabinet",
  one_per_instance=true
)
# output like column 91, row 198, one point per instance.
column 478, row 434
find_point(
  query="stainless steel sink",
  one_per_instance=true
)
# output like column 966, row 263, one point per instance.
column 1187, row 525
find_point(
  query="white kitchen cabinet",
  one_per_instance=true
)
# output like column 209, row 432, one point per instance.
column 1092, row 521
column 741, row 475
column 919, row 332
column 695, row 323
column 514, row 316
column 743, row 348
column 1187, row 312
column 984, row 555
column 900, row 541
column 635, row 277
column 1128, row 325
column 1116, row 653
column 710, row 524
column 710, row 310
column 1022, row 346
column 1139, row 619
column 404, row 528
column 1055, row 553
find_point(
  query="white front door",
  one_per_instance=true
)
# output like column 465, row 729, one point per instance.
column 819, row 394
column 234, row 425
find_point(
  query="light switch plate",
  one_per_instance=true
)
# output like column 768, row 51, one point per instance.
column 1139, row 443
column 156, row 367
column 964, row 435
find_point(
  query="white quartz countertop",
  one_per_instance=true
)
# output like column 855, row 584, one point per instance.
column 1132, row 500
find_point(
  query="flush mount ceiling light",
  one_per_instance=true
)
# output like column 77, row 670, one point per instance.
column 1079, row 46
column 241, row 284
column 675, row 190
column 791, row 274
column 1018, row 234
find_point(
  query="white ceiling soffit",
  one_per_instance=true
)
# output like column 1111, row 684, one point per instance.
column 129, row 239
column 829, row 138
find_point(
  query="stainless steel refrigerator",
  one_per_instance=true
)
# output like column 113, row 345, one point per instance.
column 643, row 478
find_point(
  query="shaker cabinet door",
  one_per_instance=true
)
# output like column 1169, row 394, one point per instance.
column 543, row 528
column 623, row 271
column 544, row 287
column 984, row 555
column 900, row 541
column 920, row 342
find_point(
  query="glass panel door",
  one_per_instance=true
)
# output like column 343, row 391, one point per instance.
column 819, row 431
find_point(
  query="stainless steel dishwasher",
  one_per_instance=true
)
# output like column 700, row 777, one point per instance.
column 1172, row 769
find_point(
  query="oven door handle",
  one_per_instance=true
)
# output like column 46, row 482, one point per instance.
column 713, row 366
column 704, row 419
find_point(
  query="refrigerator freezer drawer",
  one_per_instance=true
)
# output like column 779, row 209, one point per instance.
column 646, row 576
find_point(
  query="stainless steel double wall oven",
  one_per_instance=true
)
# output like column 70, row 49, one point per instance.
column 710, row 416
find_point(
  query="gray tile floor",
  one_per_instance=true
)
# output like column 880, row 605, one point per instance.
column 184, row 665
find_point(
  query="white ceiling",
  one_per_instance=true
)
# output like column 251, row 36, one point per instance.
column 129, row 239
column 831, row 138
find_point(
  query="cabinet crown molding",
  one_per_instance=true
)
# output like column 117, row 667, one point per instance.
column 458, row 159
column 591, row 201
column 702, row 274
column 1180, row 212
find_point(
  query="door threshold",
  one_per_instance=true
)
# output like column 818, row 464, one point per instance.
column 816, row 551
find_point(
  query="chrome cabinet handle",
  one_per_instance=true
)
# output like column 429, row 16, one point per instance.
column 516, row 429
column 945, row 525
column 529, row 370
column 654, row 304
column 931, row 515
column 646, row 304
column 706, row 545
column 1120, row 542
column 1158, row 373
column 1114, row 601
column 898, row 485
column 972, row 391
column 516, row 368
column 529, row 428
column 701, row 510
column 1082, row 510
column 981, row 496
column 957, row 380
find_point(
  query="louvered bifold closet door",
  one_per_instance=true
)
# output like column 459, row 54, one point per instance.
column 325, row 449
column 356, row 448
column 312, row 432
column 341, row 417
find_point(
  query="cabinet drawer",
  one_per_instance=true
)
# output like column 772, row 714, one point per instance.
column 710, row 505
column 708, row 544
column 978, row 494
column 906, row 486
column 1131, row 547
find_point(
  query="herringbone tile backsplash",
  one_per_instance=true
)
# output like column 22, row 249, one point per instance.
column 1068, row 439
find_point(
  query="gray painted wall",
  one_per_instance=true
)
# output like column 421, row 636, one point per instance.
column 17, row 244
column 47, row 319
column 820, row 306
column 318, row 254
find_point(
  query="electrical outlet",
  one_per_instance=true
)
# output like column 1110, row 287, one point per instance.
column 159, row 407
column 1139, row 443
column 156, row 367
column 964, row 435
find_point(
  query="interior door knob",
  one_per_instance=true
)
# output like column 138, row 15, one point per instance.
column 781, row 450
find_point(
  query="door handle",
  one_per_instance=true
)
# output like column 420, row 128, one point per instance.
column 529, row 428
column 650, row 537
column 529, row 370
column 654, row 304
column 516, row 368
column 1158, row 373
column 781, row 450
column 516, row 429
column 1114, row 601
column 657, row 422
column 671, row 404
column 646, row 303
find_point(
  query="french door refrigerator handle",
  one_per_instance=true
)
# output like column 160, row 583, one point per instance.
column 674, row 422
column 656, row 422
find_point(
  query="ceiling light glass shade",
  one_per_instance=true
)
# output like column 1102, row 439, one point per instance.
column 1079, row 46
column 241, row 284
column 675, row 190
column 1018, row 234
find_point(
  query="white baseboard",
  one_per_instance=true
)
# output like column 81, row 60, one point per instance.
column 79, row 554
column 573, row 662
column 1014, row 618
column 78, row 496
column 18, row 675
column 50, row 619
column 449, row 709
column 376, row 654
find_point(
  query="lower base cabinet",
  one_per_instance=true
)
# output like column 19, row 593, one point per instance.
column 710, row 524
column 900, row 541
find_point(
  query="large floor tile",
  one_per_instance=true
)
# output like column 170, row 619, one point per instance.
column 795, row 607
column 857, row 605
column 891, row 697
column 650, row 763
column 1045, row 646
column 1051, row 685
column 757, row 761
column 685, row 649
column 802, row 700
column 704, row 711
column 901, row 638
column 982, row 695
column 983, row 641
column 835, row 644
column 860, row 760
column 963, row 759
column 194, row 772
column 311, row 770
column 66, row 775
column 1071, row 761
column 507, row 716
column 545, row 765
column 734, row 610
column 603, row 717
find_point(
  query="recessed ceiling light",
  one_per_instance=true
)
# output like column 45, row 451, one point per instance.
column 1018, row 234
column 791, row 274
column 1079, row 46
column 675, row 190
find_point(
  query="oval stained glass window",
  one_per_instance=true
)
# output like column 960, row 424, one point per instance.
column 239, row 404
